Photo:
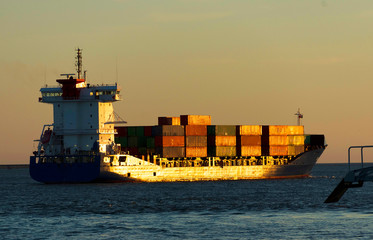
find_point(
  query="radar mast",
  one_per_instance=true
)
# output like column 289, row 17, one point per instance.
column 299, row 116
column 79, row 62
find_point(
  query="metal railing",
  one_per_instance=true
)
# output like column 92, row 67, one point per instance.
column 361, row 155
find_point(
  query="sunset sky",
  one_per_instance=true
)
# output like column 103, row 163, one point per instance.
column 242, row 62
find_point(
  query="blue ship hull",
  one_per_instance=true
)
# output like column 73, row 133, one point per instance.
column 54, row 172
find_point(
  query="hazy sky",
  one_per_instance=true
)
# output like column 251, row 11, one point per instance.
column 242, row 62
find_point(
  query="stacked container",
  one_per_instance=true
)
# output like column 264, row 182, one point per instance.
column 286, row 140
column 249, row 140
column 221, row 140
column 169, row 140
column 196, row 137
column 195, row 140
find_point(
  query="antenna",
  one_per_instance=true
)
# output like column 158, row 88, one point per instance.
column 299, row 116
column 116, row 68
column 79, row 62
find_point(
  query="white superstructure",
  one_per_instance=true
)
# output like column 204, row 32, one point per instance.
column 83, row 116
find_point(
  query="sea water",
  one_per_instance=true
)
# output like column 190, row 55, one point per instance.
column 256, row 209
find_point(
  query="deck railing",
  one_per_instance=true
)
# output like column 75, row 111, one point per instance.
column 361, row 155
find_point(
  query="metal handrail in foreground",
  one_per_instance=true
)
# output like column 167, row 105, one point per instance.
column 354, row 178
column 361, row 155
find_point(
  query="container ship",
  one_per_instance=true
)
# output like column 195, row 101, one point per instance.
column 86, row 143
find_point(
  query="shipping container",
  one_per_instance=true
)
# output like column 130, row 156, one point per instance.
column 221, row 151
column 150, row 142
column 278, row 150
column 295, row 150
column 295, row 130
column 221, row 130
column 286, row 130
column 171, row 152
column 195, row 130
column 221, row 140
column 315, row 140
column 195, row 120
column 249, row 140
column 296, row 140
column 122, row 131
column 148, row 131
column 249, row 130
column 196, row 141
column 135, row 131
column 169, row 141
column 123, row 141
column 278, row 140
column 168, row 130
column 137, row 141
column 196, row 151
column 278, row 130
column 247, row 151
column 168, row 121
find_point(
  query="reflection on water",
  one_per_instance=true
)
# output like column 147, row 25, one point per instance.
column 284, row 209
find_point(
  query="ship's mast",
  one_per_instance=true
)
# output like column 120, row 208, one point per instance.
column 79, row 62
column 299, row 116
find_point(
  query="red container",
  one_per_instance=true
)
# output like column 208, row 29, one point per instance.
column 148, row 131
column 122, row 131
column 195, row 130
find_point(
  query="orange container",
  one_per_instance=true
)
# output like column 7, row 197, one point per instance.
column 195, row 120
column 278, row 150
column 196, row 152
column 278, row 140
column 169, row 141
column 249, row 140
column 222, row 140
column 278, row 130
column 195, row 130
column 295, row 130
column 249, row 130
column 247, row 151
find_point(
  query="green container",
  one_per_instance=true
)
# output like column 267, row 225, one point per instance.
column 221, row 130
column 123, row 141
column 150, row 142
column 307, row 139
column 137, row 141
column 136, row 131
